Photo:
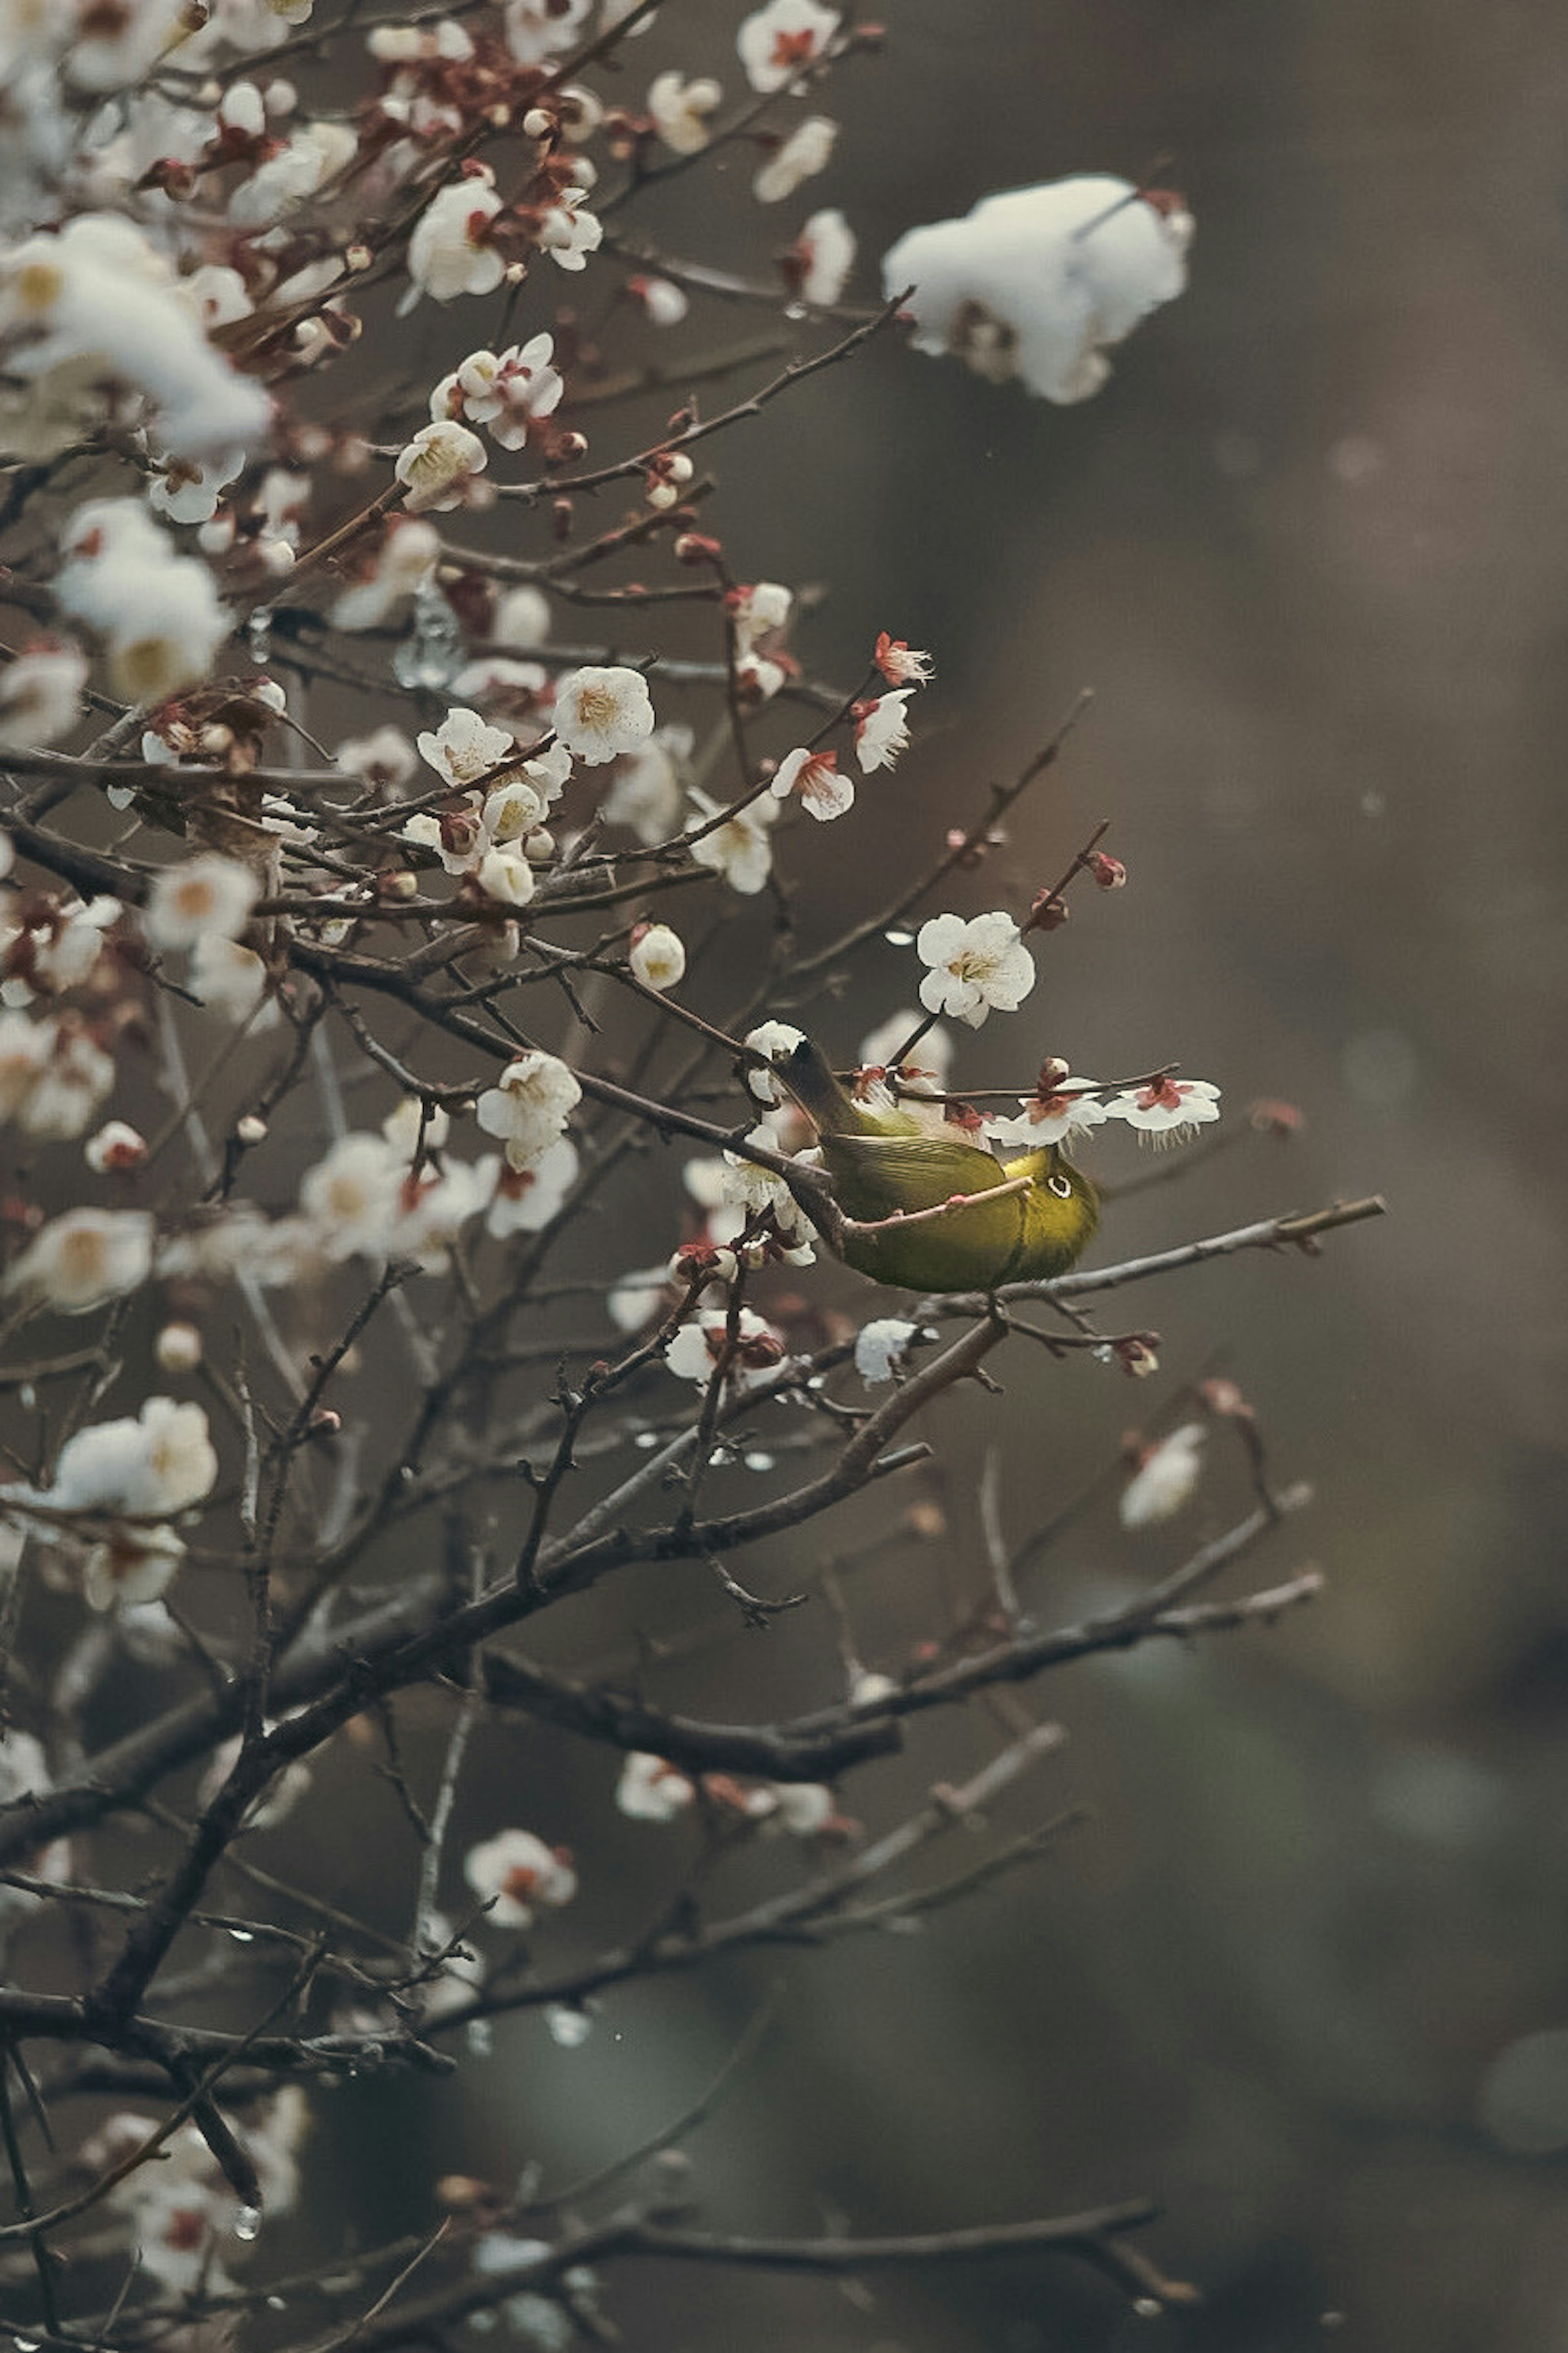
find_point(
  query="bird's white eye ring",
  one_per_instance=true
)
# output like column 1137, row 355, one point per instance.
column 1061, row 1187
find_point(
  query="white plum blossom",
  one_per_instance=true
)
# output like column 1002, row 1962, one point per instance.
column 803, row 1809
column 779, row 42
column 523, row 1201
column 883, row 730
column 438, row 464
column 84, row 1258
column 449, row 252
column 776, row 1040
column 40, row 694
column 465, row 748
column 352, row 1198
column 506, row 392
column 567, row 233
column 517, row 1875
column 185, row 490
column 902, row 664
column 700, row 1344
column 1165, row 1478
column 158, row 612
column 308, row 158
column 652, row 1790
column 57, row 952
column 97, row 290
column 522, row 614
column 749, row 1186
column 758, row 610
column 233, row 980
column 527, row 1109
column 160, row 1463
column 637, row 1298
column 600, row 714
column 821, row 257
column 132, row 1567
column 1167, row 1107
column 657, row 956
column 974, row 966
column 679, row 111
column 880, row 1347
column 738, row 848
column 206, row 895
column 404, row 563
column 645, row 789
column 538, row 29
column 1041, row 282
column 58, row 1083
column 663, row 303
column 806, row 151
column 385, row 760
column 935, row 1053
column 1069, row 1110
column 824, row 793
column 506, row 877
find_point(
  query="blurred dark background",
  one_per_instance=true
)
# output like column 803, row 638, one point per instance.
column 1302, row 1979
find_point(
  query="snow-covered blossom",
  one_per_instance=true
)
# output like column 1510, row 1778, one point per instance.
column 438, row 466
column 84, row 1258
column 679, row 111
column 384, row 759
column 974, row 966
column 523, row 1201
column 528, row 1107
column 464, row 747
column 778, row 43
column 774, row 1039
column 233, row 980
column 1068, row 1110
column 521, row 1874
column 657, row 956
column 652, row 1790
column 158, row 612
column 160, row 1463
column 568, row 233
column 1165, row 1478
column 824, row 793
column 901, row 664
column 116, row 1148
column 821, row 257
column 450, row 252
column 699, row 1345
column 739, row 849
column 404, row 562
column 879, row 1348
column 602, row 712
column 1041, row 282
column 1166, row 1107
column 806, row 151
column 131, row 1566
column 40, row 695
column 883, row 730
column 98, row 290
column 206, row 895
column 645, row 789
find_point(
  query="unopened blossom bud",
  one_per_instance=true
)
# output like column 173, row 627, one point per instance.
column 703, row 1263
column 697, row 547
column 1136, row 1358
column 1276, row 1119
column 456, row 2191
column 539, row 123
column 560, row 513
column 178, row 1348
column 250, row 1129
column 657, row 957
column 1053, row 1071
column 398, row 883
column 1108, row 872
column 568, row 448
column 1047, row 912
column 1223, row 1397
column 115, row 1148
column 327, row 1423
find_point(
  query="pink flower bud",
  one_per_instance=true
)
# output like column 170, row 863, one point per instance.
column 1108, row 872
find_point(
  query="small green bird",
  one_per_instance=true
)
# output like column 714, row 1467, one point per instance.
column 883, row 1164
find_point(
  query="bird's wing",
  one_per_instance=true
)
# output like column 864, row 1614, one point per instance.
column 876, row 1176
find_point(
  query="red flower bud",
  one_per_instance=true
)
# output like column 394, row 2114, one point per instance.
column 1108, row 872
